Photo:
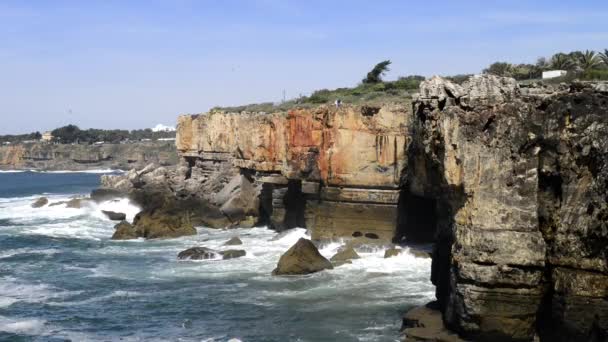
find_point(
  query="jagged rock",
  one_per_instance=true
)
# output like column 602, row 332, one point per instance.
column 124, row 231
column 344, row 255
column 41, row 202
column 198, row 253
column 233, row 254
column 105, row 194
column 233, row 241
column 114, row 216
column 301, row 258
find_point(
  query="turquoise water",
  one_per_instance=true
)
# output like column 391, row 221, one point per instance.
column 62, row 278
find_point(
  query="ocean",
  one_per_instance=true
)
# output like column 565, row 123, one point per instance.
column 62, row 278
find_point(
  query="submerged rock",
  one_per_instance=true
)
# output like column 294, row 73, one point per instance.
column 392, row 252
column 114, row 216
column 302, row 258
column 233, row 241
column 124, row 231
column 105, row 194
column 424, row 323
column 76, row 203
column 232, row 253
column 41, row 202
column 344, row 255
column 198, row 253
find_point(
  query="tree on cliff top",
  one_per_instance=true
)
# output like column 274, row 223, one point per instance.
column 375, row 76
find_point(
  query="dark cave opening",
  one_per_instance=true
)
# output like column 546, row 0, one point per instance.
column 295, row 205
column 417, row 221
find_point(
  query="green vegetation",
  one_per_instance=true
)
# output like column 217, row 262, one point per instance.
column 584, row 65
column 372, row 90
column 20, row 137
column 73, row 134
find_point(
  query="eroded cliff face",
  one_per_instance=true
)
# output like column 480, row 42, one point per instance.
column 508, row 181
column 334, row 171
column 43, row 156
column 518, row 179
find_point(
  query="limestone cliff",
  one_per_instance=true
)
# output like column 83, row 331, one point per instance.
column 518, row 178
column 508, row 181
column 44, row 156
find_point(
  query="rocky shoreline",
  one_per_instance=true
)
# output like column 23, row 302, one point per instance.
column 508, row 181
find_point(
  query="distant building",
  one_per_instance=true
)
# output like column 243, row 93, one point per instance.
column 166, row 139
column 163, row 128
column 554, row 74
column 47, row 136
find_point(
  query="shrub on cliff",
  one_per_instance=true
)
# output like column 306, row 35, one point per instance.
column 375, row 75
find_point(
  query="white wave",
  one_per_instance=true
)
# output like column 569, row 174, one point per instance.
column 12, row 171
column 12, row 252
column 12, row 291
column 28, row 326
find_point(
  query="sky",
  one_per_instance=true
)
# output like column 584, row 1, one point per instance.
column 135, row 64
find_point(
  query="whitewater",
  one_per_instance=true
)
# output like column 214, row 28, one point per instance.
column 61, row 277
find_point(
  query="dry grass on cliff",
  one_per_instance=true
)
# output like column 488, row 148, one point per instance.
column 379, row 93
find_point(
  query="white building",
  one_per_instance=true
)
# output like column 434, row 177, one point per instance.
column 163, row 128
column 554, row 74
column 47, row 136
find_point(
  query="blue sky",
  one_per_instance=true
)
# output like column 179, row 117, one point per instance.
column 133, row 64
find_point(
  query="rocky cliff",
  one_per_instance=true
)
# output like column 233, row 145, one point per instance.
column 44, row 156
column 508, row 181
column 518, row 181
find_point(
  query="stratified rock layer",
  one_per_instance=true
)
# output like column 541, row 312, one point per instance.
column 334, row 171
column 519, row 183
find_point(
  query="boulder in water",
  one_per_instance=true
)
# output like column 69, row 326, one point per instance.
column 232, row 253
column 302, row 258
column 114, row 216
column 162, row 226
column 197, row 253
column 41, row 202
column 233, row 242
column 124, row 231
column 344, row 255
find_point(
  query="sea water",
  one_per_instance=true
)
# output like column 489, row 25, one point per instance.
column 62, row 278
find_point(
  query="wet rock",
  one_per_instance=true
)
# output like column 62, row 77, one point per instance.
column 162, row 225
column 392, row 252
column 105, row 194
column 76, row 203
column 233, row 254
column 54, row 204
column 233, row 241
column 198, row 253
column 425, row 324
column 302, row 258
column 41, row 202
column 124, row 231
column 114, row 216
column 344, row 255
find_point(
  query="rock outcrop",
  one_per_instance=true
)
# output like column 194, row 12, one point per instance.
column 197, row 253
column 518, row 183
column 344, row 256
column 45, row 156
column 39, row 203
column 302, row 258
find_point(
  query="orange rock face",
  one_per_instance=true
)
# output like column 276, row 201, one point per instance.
column 346, row 163
column 340, row 147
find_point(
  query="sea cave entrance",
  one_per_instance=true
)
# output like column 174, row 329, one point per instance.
column 417, row 218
